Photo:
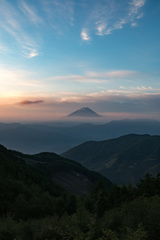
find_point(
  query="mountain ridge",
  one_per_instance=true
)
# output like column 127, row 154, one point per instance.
column 51, row 137
column 70, row 175
column 123, row 160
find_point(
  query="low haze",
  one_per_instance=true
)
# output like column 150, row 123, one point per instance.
column 59, row 56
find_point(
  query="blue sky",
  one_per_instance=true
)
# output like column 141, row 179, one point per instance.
column 57, row 56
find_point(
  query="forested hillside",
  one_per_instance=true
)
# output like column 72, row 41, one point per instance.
column 69, row 174
column 32, row 207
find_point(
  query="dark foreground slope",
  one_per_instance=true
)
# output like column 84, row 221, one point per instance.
column 24, row 191
column 32, row 207
column 123, row 160
column 48, row 171
column 69, row 174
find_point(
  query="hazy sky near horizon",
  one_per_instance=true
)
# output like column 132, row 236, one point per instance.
column 59, row 55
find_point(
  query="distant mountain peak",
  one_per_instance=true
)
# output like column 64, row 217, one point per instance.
column 84, row 112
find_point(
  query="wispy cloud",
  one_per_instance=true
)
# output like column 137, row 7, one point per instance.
column 12, row 22
column 3, row 48
column 33, row 53
column 106, row 17
column 18, row 82
column 120, row 95
column 101, row 28
column 74, row 78
column 135, row 5
column 92, row 17
column 59, row 13
column 30, row 12
column 96, row 77
column 113, row 74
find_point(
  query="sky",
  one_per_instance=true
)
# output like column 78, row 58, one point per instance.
column 57, row 56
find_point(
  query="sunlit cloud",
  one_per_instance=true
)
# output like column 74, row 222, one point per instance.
column 84, row 35
column 117, row 102
column 113, row 95
column 143, row 88
column 16, row 81
column 132, row 103
column 32, row 54
column 19, row 82
column 101, row 28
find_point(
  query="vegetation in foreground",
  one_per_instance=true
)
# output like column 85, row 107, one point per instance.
column 33, row 208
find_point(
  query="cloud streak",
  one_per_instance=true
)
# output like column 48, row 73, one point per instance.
column 12, row 22
column 99, row 18
column 3, row 48
column 97, row 77
column 30, row 12
column 28, row 102
column 106, row 17
column 113, row 74
column 59, row 13
column 22, row 83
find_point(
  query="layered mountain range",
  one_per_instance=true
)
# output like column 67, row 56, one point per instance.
column 58, row 137
column 122, row 151
column 123, row 160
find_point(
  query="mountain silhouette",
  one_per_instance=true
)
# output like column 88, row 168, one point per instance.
column 84, row 112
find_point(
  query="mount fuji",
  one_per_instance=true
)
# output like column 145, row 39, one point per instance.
column 84, row 112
